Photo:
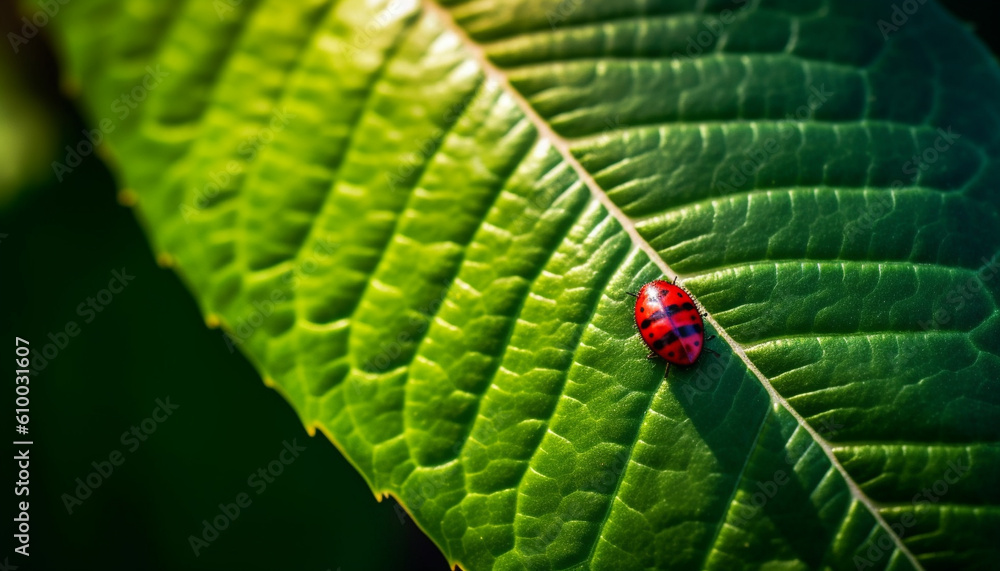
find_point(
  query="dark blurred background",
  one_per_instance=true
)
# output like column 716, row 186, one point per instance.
column 150, row 342
column 59, row 243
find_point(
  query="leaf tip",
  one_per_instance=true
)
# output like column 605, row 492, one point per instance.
column 316, row 426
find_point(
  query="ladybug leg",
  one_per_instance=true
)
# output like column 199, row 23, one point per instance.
column 712, row 351
column 667, row 372
column 675, row 280
column 632, row 294
column 651, row 356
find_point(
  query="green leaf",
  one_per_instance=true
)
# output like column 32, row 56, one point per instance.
column 419, row 220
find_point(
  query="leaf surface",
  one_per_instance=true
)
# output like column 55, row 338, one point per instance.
column 419, row 220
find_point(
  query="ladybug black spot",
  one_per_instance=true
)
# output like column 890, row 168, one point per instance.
column 670, row 354
column 697, row 343
column 679, row 295
column 642, row 310
column 650, row 335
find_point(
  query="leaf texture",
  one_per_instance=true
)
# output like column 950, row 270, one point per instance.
column 419, row 220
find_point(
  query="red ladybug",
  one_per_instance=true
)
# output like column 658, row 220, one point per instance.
column 670, row 323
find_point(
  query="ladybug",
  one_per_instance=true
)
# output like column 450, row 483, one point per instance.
column 669, row 323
